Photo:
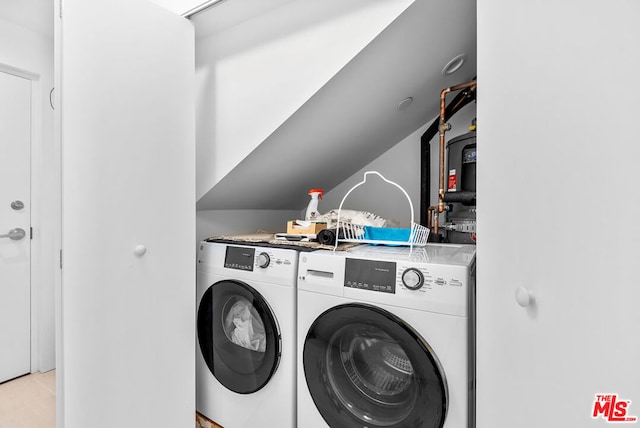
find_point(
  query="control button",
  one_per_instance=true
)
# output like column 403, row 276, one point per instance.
column 263, row 260
column 440, row 281
column 412, row 279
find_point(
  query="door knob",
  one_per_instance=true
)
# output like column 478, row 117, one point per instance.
column 140, row 250
column 15, row 234
column 524, row 297
column 17, row 205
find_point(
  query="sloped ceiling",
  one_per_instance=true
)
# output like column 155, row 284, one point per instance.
column 35, row 15
column 347, row 123
column 353, row 119
column 251, row 77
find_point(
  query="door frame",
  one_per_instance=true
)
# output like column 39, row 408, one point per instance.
column 36, row 189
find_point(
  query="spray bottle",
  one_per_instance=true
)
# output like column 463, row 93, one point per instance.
column 312, row 208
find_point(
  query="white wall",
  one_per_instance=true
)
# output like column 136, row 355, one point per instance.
column 224, row 13
column 239, row 222
column 253, row 76
column 400, row 164
column 179, row 6
column 32, row 53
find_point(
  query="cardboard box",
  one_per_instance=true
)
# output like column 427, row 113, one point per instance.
column 294, row 228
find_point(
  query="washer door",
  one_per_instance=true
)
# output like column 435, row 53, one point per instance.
column 239, row 336
column 365, row 367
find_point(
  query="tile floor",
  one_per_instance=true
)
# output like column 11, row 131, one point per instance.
column 29, row 401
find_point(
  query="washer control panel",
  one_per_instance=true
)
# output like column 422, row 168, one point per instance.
column 426, row 281
column 412, row 278
column 423, row 277
column 390, row 277
column 374, row 275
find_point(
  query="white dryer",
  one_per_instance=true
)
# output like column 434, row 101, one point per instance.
column 386, row 339
column 245, row 368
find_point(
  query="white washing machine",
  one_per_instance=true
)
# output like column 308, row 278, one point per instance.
column 245, row 368
column 386, row 339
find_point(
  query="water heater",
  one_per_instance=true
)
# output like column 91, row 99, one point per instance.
column 460, row 195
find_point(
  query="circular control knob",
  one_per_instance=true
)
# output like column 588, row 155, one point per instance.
column 263, row 260
column 412, row 278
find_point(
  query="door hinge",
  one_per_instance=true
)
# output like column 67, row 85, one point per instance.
column 60, row 8
column 31, row 233
column 60, row 259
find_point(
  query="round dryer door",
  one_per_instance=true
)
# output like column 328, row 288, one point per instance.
column 238, row 335
column 365, row 367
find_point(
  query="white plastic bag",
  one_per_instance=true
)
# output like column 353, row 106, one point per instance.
column 244, row 327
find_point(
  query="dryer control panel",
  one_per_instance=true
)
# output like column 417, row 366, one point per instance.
column 252, row 258
column 240, row 258
column 248, row 262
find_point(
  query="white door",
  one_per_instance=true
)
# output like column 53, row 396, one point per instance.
column 127, row 303
column 558, row 214
column 15, row 243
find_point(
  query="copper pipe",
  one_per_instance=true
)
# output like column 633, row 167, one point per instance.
column 432, row 220
column 429, row 217
column 471, row 84
column 444, row 127
column 436, row 219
